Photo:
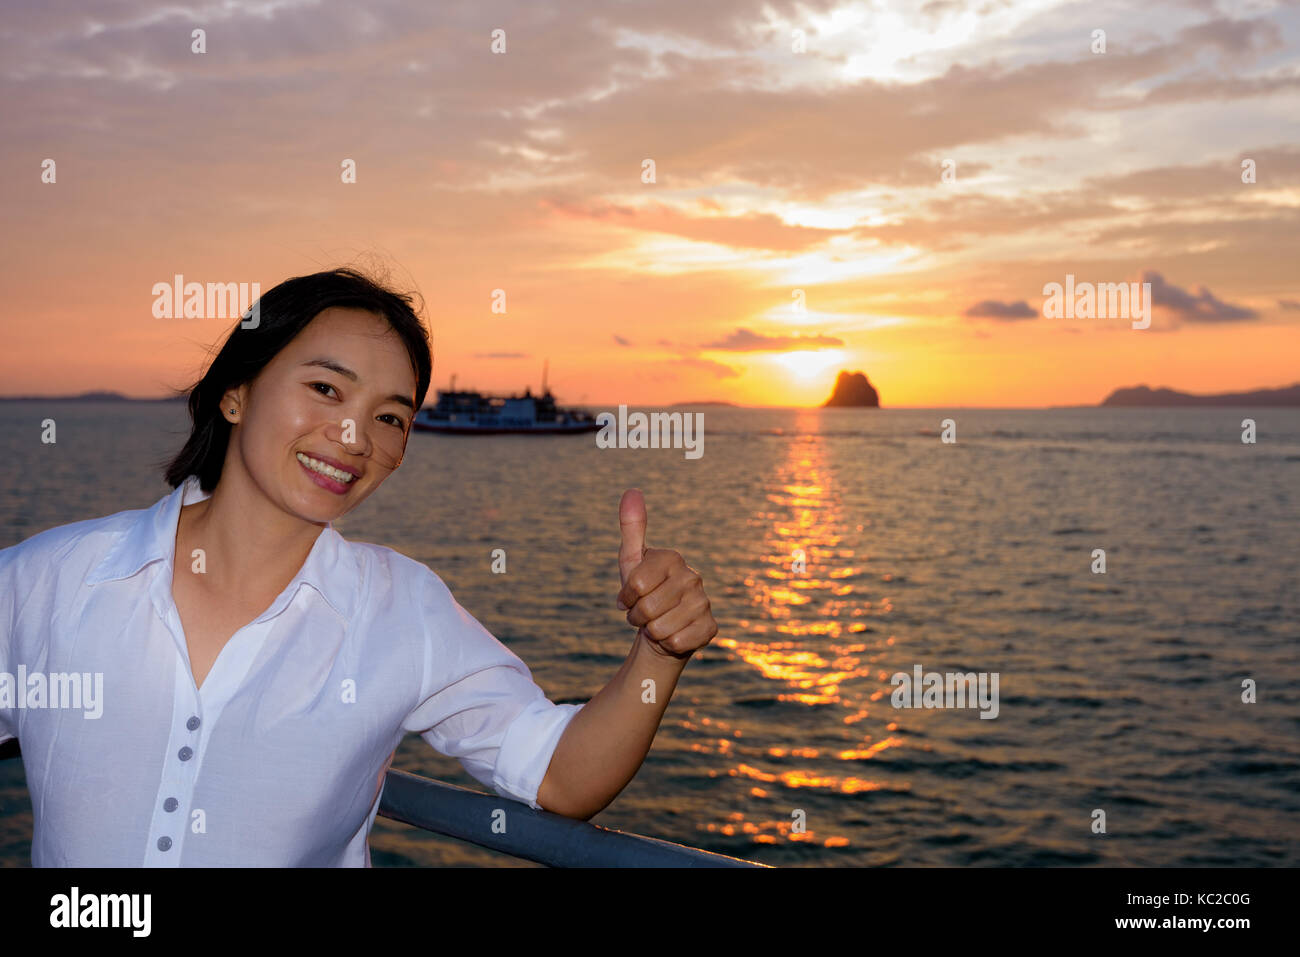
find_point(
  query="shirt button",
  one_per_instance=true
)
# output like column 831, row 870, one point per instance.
column 185, row 753
column 192, row 723
column 170, row 804
column 164, row 843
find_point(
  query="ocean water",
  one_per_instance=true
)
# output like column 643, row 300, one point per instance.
column 1119, row 691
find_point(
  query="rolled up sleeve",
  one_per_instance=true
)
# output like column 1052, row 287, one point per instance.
column 8, row 631
column 478, row 701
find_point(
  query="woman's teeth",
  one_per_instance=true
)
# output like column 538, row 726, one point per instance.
column 318, row 466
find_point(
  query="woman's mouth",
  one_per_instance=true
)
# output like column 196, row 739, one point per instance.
column 326, row 476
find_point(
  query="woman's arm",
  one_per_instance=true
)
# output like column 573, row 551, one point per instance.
column 603, row 747
column 605, row 742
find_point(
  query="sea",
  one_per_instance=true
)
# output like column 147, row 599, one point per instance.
column 1129, row 575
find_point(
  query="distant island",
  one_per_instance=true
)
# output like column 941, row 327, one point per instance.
column 852, row 390
column 88, row 397
column 1144, row 397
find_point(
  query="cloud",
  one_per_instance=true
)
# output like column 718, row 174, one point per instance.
column 754, row 231
column 1207, row 86
column 718, row 370
column 1289, row 303
column 1204, row 306
column 1219, row 176
column 743, row 340
column 1246, row 241
column 1234, row 35
column 1002, row 311
column 536, row 154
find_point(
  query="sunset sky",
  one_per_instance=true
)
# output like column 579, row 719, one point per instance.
column 796, row 146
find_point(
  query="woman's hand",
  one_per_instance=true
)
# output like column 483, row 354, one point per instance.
column 664, row 597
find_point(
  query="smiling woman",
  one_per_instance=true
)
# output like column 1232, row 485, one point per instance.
column 299, row 318
column 258, row 669
column 315, row 403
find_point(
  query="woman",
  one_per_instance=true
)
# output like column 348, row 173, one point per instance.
column 259, row 670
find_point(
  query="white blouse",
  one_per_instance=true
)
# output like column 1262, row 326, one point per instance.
column 279, row 759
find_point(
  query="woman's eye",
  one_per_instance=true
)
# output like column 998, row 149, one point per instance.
column 388, row 415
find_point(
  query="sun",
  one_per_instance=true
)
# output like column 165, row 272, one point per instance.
column 807, row 364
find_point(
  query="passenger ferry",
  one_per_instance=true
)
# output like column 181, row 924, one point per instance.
column 473, row 413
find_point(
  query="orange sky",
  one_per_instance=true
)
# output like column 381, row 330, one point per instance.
column 776, row 170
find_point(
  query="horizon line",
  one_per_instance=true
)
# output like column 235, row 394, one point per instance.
column 732, row 405
column 112, row 395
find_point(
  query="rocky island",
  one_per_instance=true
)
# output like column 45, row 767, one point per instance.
column 852, row 390
column 1142, row 396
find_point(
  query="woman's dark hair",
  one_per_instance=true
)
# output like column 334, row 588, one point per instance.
column 282, row 313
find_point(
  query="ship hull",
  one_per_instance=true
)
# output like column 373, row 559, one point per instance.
column 468, row 412
column 449, row 429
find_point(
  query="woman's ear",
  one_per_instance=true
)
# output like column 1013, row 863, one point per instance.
column 232, row 403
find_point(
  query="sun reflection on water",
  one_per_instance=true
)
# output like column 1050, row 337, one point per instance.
column 812, row 633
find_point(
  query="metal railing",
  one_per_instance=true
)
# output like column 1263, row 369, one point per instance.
column 532, row 835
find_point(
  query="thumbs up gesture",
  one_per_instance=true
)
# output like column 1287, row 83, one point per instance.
column 663, row 596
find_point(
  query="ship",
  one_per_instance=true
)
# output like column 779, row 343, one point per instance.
column 466, row 412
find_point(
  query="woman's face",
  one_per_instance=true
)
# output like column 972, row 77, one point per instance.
column 342, row 393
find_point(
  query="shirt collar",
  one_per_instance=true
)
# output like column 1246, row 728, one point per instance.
column 331, row 567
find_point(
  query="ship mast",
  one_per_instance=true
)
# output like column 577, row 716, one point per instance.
column 544, row 363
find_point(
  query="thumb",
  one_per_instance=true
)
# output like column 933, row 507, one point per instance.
column 632, row 522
